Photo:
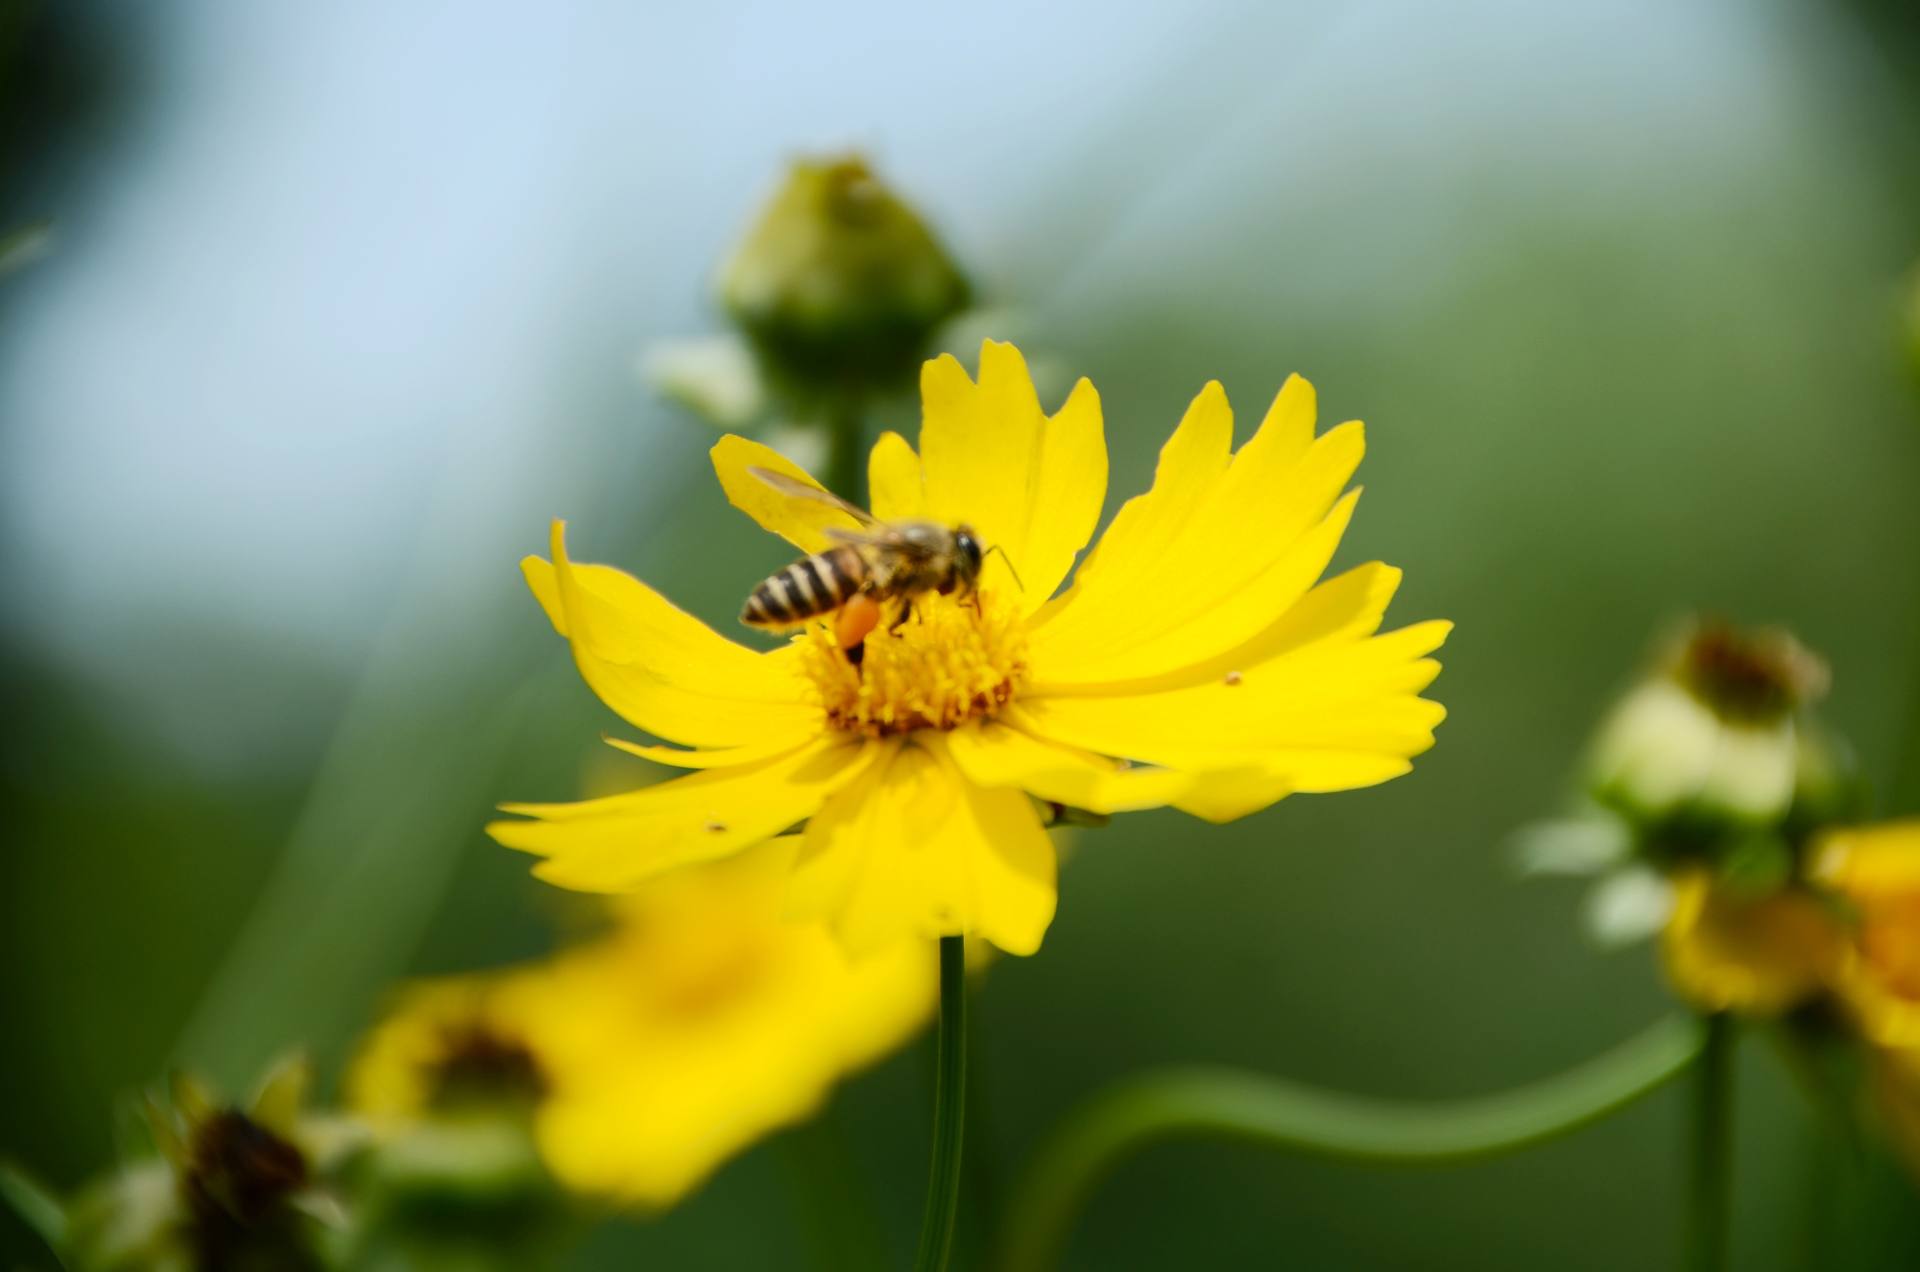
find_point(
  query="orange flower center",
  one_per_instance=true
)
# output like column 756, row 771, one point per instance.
column 949, row 662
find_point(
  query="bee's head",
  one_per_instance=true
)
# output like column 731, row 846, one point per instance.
column 967, row 555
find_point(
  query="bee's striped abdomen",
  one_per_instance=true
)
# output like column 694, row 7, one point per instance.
column 806, row 589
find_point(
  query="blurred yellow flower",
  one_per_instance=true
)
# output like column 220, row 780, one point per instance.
column 1195, row 660
column 648, row 1056
column 1754, row 955
column 1876, row 870
column 1853, row 930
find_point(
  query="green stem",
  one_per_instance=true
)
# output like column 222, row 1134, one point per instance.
column 981, row 1181
column 1273, row 1112
column 949, row 1109
column 847, row 452
column 1710, row 1191
column 34, row 1204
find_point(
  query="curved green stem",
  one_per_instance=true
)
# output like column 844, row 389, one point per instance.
column 1710, row 1194
column 1276, row 1113
column 949, row 1109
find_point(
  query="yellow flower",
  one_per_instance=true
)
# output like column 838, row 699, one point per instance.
column 650, row 1055
column 1876, row 869
column 1755, row 955
column 1196, row 659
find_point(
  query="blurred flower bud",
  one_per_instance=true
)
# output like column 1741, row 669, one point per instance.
column 839, row 285
column 1712, row 734
column 130, row 1220
column 234, row 1187
column 712, row 376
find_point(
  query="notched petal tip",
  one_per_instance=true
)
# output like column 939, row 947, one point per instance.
column 1001, row 361
column 943, row 376
column 1082, row 397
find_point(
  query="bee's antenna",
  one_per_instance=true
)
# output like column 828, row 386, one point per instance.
column 1009, row 560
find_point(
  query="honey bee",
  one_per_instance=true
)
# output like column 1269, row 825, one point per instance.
column 880, row 562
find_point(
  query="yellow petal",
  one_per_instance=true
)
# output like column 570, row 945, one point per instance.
column 1070, row 487
column 993, row 754
column 1342, row 609
column 1885, row 1007
column 1213, row 554
column 1147, row 526
column 700, row 1022
column 893, row 478
column 1877, row 870
column 1227, row 795
column 1332, row 715
column 1168, row 640
column 664, row 670
column 614, row 844
column 801, row 522
column 1028, row 485
column 1871, row 862
column 678, row 757
column 915, row 849
column 651, row 1102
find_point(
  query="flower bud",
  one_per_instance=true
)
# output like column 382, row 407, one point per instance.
column 839, row 284
column 1712, row 735
column 233, row 1187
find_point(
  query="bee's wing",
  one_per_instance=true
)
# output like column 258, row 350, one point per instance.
column 798, row 489
column 897, row 540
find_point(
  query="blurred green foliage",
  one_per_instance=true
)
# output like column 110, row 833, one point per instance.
column 1627, row 338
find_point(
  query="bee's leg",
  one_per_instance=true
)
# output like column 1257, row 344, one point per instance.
column 900, row 619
